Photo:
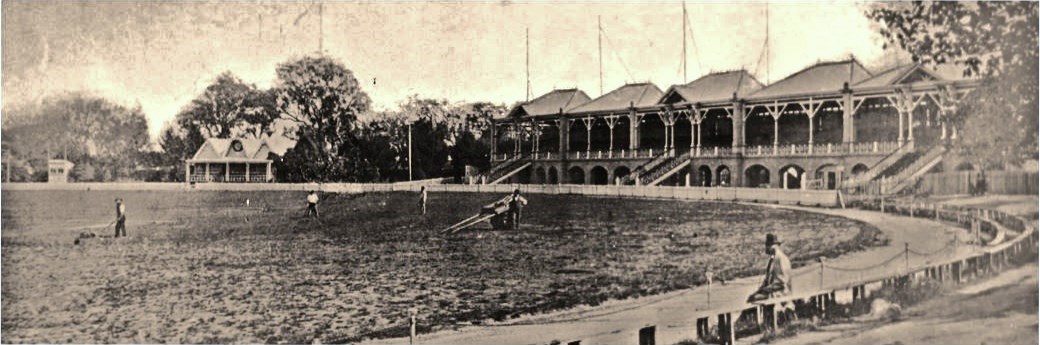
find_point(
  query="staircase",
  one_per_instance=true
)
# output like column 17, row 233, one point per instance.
column 908, row 175
column 641, row 170
column 875, row 171
column 664, row 170
column 507, row 169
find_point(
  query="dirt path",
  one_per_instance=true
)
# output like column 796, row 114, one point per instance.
column 1000, row 310
column 617, row 322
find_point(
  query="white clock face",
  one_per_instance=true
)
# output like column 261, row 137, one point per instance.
column 237, row 146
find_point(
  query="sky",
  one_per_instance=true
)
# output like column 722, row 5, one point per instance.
column 161, row 55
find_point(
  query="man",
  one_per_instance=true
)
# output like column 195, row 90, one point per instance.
column 777, row 281
column 312, row 204
column 516, row 203
column 120, row 218
column 422, row 200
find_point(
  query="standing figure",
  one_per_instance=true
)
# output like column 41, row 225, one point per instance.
column 422, row 200
column 516, row 204
column 777, row 281
column 120, row 218
column 312, row 204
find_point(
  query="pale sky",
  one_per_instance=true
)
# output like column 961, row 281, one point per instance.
column 161, row 55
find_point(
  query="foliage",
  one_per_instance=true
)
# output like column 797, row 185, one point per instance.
column 105, row 140
column 324, row 100
column 229, row 107
column 997, row 41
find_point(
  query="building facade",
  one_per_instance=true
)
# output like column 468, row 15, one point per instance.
column 829, row 124
column 230, row 160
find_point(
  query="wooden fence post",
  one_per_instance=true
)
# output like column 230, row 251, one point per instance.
column 647, row 334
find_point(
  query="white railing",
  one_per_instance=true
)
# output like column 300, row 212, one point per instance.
column 870, row 148
column 234, row 178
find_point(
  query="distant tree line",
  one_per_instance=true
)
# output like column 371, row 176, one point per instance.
column 315, row 101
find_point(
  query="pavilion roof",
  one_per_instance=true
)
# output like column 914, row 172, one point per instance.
column 821, row 77
column 220, row 149
column 715, row 86
column 551, row 103
column 636, row 95
column 904, row 74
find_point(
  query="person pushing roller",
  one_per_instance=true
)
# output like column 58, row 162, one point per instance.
column 516, row 205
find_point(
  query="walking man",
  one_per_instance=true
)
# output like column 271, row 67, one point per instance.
column 777, row 281
column 422, row 200
column 120, row 218
column 516, row 204
column 312, row 204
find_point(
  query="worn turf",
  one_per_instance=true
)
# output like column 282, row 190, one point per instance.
column 202, row 267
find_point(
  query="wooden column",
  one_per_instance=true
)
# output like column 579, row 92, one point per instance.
column 738, row 126
column 633, row 127
column 775, row 111
column 494, row 139
column 848, row 122
column 247, row 173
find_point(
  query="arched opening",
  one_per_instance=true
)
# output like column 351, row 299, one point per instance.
column 598, row 176
column 859, row 169
column 620, row 173
column 704, row 177
column 524, row 176
column 757, row 176
column 539, row 176
column 791, row 177
column 723, row 173
column 553, row 176
column 576, row 176
column 828, row 176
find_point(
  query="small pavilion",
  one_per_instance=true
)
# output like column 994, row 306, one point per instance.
column 58, row 170
column 230, row 160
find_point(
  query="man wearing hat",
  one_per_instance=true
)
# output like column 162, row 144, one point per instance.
column 777, row 281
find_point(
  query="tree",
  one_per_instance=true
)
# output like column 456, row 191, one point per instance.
column 87, row 130
column 229, row 107
column 323, row 99
column 996, row 41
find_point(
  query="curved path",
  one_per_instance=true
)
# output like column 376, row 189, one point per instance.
column 674, row 313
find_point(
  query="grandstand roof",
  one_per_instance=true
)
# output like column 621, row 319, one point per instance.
column 821, row 77
column 904, row 74
column 713, row 87
column 551, row 103
column 637, row 95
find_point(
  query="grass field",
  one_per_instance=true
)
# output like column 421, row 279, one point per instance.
column 202, row 267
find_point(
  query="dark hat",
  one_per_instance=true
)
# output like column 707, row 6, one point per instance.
column 516, row 191
column 771, row 240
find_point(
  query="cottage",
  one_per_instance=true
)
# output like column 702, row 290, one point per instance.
column 230, row 160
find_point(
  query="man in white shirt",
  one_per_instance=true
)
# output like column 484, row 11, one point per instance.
column 312, row 204
column 516, row 204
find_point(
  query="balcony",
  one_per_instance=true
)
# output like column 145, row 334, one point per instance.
column 235, row 178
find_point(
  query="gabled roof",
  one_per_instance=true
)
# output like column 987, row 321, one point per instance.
column 551, row 103
column 715, row 86
column 637, row 95
column 218, row 149
column 821, row 77
column 904, row 74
